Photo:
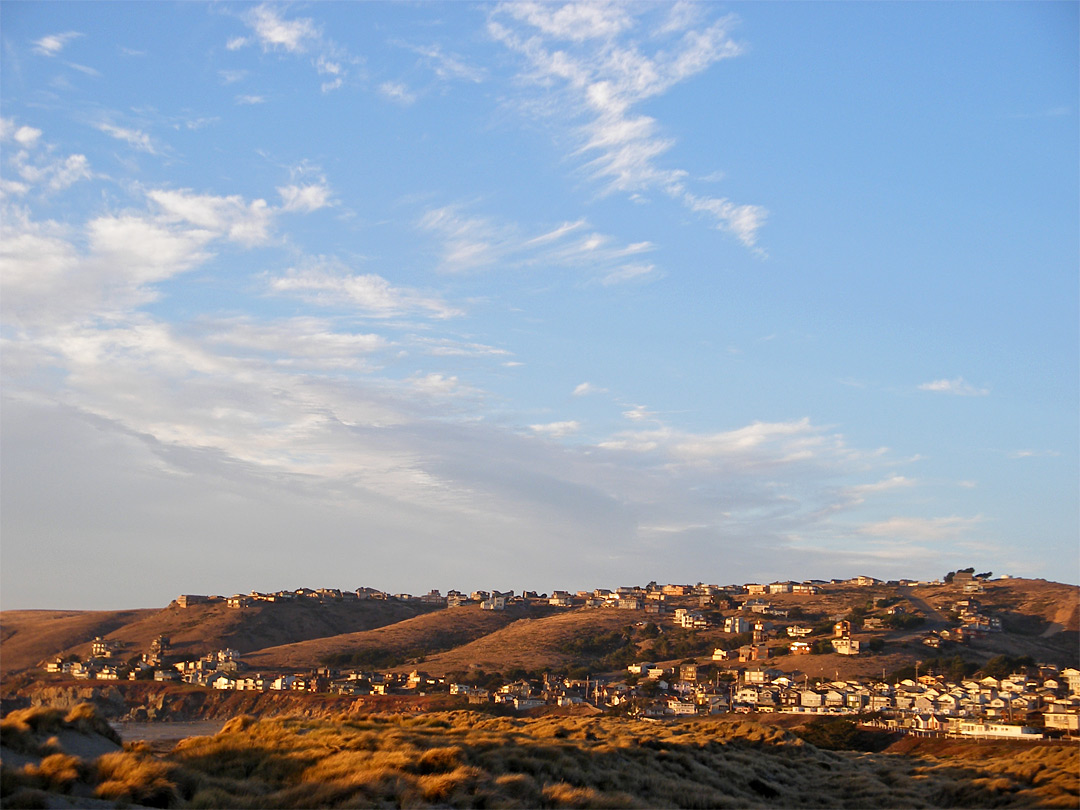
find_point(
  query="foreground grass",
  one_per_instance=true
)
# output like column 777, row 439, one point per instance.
column 465, row 759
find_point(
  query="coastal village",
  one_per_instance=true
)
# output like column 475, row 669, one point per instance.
column 761, row 622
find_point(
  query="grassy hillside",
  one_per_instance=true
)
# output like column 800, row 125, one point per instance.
column 463, row 759
column 420, row 635
column 31, row 636
column 1041, row 620
column 565, row 639
column 28, row 636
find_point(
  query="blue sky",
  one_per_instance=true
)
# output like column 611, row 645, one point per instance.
column 534, row 295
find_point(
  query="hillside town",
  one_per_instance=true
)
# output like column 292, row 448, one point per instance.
column 1033, row 702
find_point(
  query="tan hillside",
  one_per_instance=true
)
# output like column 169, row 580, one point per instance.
column 29, row 636
column 32, row 636
column 441, row 630
column 530, row 643
column 1040, row 619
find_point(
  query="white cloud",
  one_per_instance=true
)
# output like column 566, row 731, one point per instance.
column 27, row 136
column 328, row 283
column 630, row 272
column 276, row 33
column 59, row 174
column 397, row 91
column 922, row 529
column 585, row 68
column 248, row 100
column 232, row 76
column 557, row 430
column 301, row 341
column 448, row 67
column 958, row 387
column 574, row 21
column 439, row 385
column 859, row 492
column 470, row 242
column 89, row 71
column 52, row 44
column 587, row 388
column 307, row 198
column 1034, row 454
column 241, row 221
column 296, row 36
column 639, row 413
column 140, row 140
column 9, row 187
column 447, row 347
column 139, row 250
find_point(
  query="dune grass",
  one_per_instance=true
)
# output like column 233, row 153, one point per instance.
column 469, row 759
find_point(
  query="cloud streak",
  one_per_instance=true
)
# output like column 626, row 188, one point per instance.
column 580, row 59
column 957, row 387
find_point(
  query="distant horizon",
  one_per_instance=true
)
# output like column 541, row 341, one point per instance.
column 448, row 292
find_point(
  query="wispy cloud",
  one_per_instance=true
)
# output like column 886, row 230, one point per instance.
column 273, row 31
column 957, row 386
column 471, row 242
column 448, row 66
column 232, row 76
column 136, row 138
column 585, row 65
column 1034, row 454
column 250, row 99
column 232, row 216
column 397, row 91
column 305, row 198
column 52, row 44
column 922, row 529
column 586, row 388
column 327, row 282
column 557, row 430
column 85, row 69
column 36, row 162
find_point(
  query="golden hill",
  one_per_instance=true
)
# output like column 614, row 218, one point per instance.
column 30, row 637
column 531, row 643
column 1041, row 619
column 420, row 635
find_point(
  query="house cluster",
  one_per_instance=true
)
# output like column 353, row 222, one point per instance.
column 650, row 598
column 928, row 705
column 972, row 623
column 103, row 665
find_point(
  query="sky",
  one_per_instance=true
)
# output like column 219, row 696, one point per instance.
column 534, row 295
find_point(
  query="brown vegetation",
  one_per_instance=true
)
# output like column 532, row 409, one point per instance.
column 464, row 759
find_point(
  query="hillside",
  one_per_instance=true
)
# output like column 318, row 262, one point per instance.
column 418, row 636
column 30, row 637
column 554, row 641
column 1039, row 619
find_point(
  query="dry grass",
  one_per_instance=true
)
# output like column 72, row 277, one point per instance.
column 463, row 759
column 466, row 759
